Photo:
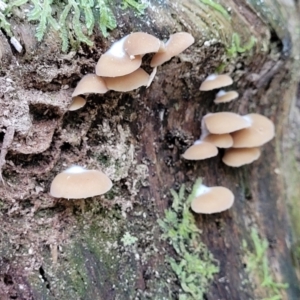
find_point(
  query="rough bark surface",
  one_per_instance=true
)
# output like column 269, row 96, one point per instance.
column 60, row 249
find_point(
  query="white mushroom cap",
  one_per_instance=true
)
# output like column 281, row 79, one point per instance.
column 200, row 150
column 237, row 157
column 140, row 43
column 219, row 140
column 116, row 62
column 225, row 122
column 128, row 82
column 176, row 44
column 261, row 131
column 210, row 200
column 77, row 102
column 77, row 183
column 223, row 97
column 90, row 84
column 215, row 81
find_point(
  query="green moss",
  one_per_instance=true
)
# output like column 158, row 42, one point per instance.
column 236, row 47
column 258, row 265
column 140, row 7
column 128, row 239
column 218, row 7
column 193, row 264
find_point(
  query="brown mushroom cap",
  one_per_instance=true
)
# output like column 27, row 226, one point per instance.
column 176, row 44
column 223, row 97
column 200, row 150
column 140, row 43
column 210, row 200
column 225, row 122
column 90, row 84
column 77, row 102
column 128, row 82
column 236, row 157
column 215, row 81
column 116, row 62
column 77, row 183
column 261, row 131
column 219, row 140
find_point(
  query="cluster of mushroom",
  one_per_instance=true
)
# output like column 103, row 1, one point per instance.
column 241, row 135
column 118, row 69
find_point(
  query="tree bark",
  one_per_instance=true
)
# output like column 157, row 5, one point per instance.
column 64, row 249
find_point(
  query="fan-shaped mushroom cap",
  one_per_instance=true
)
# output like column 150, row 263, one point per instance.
column 176, row 44
column 225, row 122
column 261, row 131
column 77, row 183
column 215, row 81
column 210, row 200
column 200, row 150
column 90, row 84
column 140, row 43
column 219, row 140
column 236, row 157
column 77, row 102
column 127, row 82
column 223, row 97
column 116, row 62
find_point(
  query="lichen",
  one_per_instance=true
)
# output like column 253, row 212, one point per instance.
column 128, row 239
column 258, row 265
column 193, row 264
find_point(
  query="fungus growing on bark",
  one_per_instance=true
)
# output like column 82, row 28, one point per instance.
column 116, row 62
column 200, row 150
column 219, row 140
column 90, row 84
column 78, row 183
column 260, row 131
column 237, row 157
column 210, row 200
column 223, row 97
column 77, row 102
column 140, row 43
column 128, row 82
column 176, row 44
column 225, row 122
column 215, row 81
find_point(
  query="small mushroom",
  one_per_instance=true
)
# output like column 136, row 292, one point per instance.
column 176, row 44
column 78, row 183
column 140, row 43
column 200, row 150
column 215, row 81
column 90, row 84
column 116, row 62
column 225, row 122
column 219, row 140
column 237, row 157
column 152, row 75
column 77, row 102
column 223, row 97
column 128, row 82
column 210, row 200
column 260, row 131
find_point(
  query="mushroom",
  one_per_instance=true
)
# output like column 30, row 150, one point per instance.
column 223, row 97
column 219, row 140
column 90, row 84
column 176, row 44
column 128, row 82
column 140, row 43
column 77, row 183
column 236, row 157
column 200, row 150
column 215, row 81
column 210, row 200
column 225, row 122
column 261, row 131
column 116, row 62
column 77, row 102
column 151, row 77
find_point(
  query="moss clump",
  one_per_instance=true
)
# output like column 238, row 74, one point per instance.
column 218, row 7
column 193, row 265
column 236, row 47
column 257, row 264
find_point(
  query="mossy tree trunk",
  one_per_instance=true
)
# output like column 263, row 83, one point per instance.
column 110, row 247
